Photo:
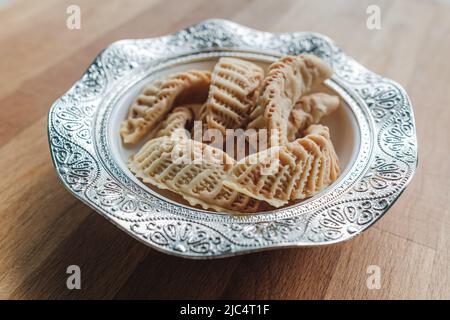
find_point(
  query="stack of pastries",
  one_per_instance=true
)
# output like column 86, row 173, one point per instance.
column 283, row 104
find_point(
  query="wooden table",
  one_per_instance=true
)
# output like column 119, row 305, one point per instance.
column 44, row 229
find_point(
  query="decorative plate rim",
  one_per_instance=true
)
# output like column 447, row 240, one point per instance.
column 79, row 148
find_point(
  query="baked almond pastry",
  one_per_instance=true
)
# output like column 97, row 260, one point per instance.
column 288, row 79
column 300, row 161
column 293, row 171
column 235, row 86
column 192, row 169
column 310, row 110
column 178, row 119
column 156, row 100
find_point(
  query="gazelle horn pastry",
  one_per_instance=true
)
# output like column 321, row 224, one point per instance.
column 192, row 169
column 294, row 171
column 158, row 99
column 310, row 110
column 288, row 79
column 235, row 86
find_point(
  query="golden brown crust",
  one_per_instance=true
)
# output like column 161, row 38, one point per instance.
column 293, row 168
column 294, row 171
column 158, row 99
column 288, row 79
column 178, row 119
column 235, row 86
column 310, row 110
column 192, row 169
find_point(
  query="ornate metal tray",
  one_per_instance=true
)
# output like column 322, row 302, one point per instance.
column 87, row 158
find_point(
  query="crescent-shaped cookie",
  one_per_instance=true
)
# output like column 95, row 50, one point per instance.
column 192, row 169
column 178, row 119
column 310, row 110
column 288, row 79
column 294, row 171
column 157, row 99
column 235, row 86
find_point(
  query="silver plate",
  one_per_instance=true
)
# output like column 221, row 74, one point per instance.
column 80, row 144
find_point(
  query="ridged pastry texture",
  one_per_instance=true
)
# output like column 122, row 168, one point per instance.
column 293, row 171
column 192, row 169
column 300, row 160
column 156, row 100
column 310, row 110
column 235, row 86
column 178, row 119
column 288, row 79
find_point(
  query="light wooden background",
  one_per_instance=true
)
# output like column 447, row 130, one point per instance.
column 43, row 228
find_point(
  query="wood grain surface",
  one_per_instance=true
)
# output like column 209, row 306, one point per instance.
column 44, row 229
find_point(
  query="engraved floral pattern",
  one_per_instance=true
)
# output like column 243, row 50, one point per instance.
column 76, row 120
column 121, row 59
column 91, row 84
column 399, row 137
column 381, row 175
column 74, row 165
column 269, row 231
column 183, row 236
column 380, row 98
column 112, row 195
column 349, row 219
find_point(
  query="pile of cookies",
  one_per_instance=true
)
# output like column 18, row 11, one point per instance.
column 299, row 161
